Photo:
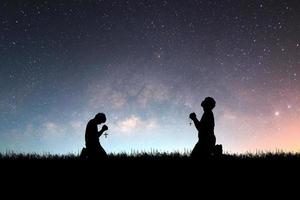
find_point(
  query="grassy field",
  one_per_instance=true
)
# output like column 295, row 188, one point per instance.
column 142, row 166
column 155, row 155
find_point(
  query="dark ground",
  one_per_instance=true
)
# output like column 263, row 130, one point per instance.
column 156, row 156
column 151, row 175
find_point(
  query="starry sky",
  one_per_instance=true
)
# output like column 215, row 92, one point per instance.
column 147, row 64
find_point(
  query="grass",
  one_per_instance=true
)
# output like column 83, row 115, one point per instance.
column 155, row 155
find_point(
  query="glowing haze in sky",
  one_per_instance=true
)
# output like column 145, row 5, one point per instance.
column 147, row 64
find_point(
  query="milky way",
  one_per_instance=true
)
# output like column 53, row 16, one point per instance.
column 147, row 64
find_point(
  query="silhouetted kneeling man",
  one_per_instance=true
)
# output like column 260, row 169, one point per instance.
column 207, row 140
column 93, row 148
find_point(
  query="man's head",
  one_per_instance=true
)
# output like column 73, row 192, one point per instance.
column 208, row 104
column 100, row 118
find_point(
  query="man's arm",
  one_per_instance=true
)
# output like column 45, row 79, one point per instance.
column 104, row 128
column 100, row 133
column 197, row 123
column 195, row 120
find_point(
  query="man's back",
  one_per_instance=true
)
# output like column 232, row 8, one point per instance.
column 207, row 124
column 91, row 135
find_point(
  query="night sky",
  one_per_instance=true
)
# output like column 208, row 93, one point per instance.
column 148, row 64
